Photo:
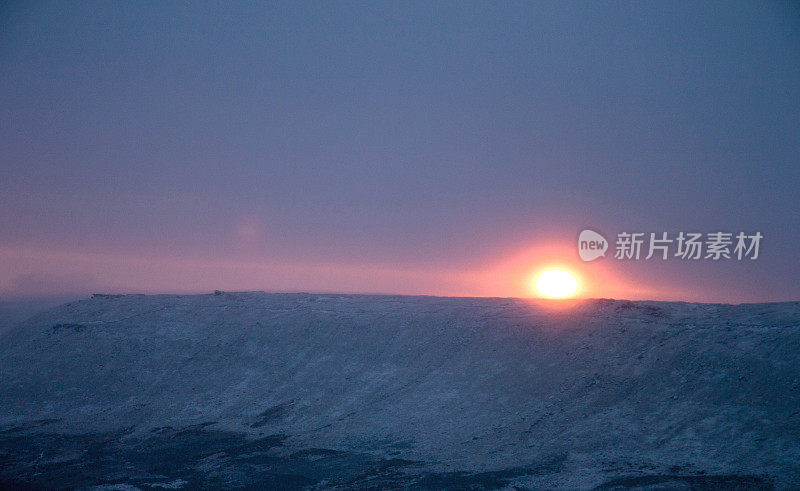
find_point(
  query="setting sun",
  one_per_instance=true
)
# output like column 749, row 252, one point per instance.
column 556, row 283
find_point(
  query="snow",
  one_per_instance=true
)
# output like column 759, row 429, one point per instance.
column 495, row 391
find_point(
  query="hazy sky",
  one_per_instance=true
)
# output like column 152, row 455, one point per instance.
column 415, row 147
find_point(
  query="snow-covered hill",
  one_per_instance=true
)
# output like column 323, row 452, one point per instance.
column 295, row 390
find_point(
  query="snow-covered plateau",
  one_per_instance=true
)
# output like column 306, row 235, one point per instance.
column 233, row 390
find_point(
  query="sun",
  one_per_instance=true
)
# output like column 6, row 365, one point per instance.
column 556, row 283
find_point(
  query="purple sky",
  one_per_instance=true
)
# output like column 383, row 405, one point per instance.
column 446, row 148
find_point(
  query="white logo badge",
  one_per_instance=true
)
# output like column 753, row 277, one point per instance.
column 591, row 245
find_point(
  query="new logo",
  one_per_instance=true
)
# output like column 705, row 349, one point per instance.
column 591, row 245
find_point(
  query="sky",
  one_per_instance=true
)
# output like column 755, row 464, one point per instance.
column 443, row 148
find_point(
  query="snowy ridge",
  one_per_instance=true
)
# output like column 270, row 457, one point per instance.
column 491, row 391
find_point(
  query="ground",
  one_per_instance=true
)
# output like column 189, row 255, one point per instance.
column 354, row 391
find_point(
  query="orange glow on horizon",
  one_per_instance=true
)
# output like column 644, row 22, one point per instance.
column 515, row 276
column 29, row 271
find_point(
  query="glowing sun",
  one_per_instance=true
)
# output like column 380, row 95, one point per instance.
column 556, row 283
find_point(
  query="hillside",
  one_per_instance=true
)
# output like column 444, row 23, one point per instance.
column 301, row 390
